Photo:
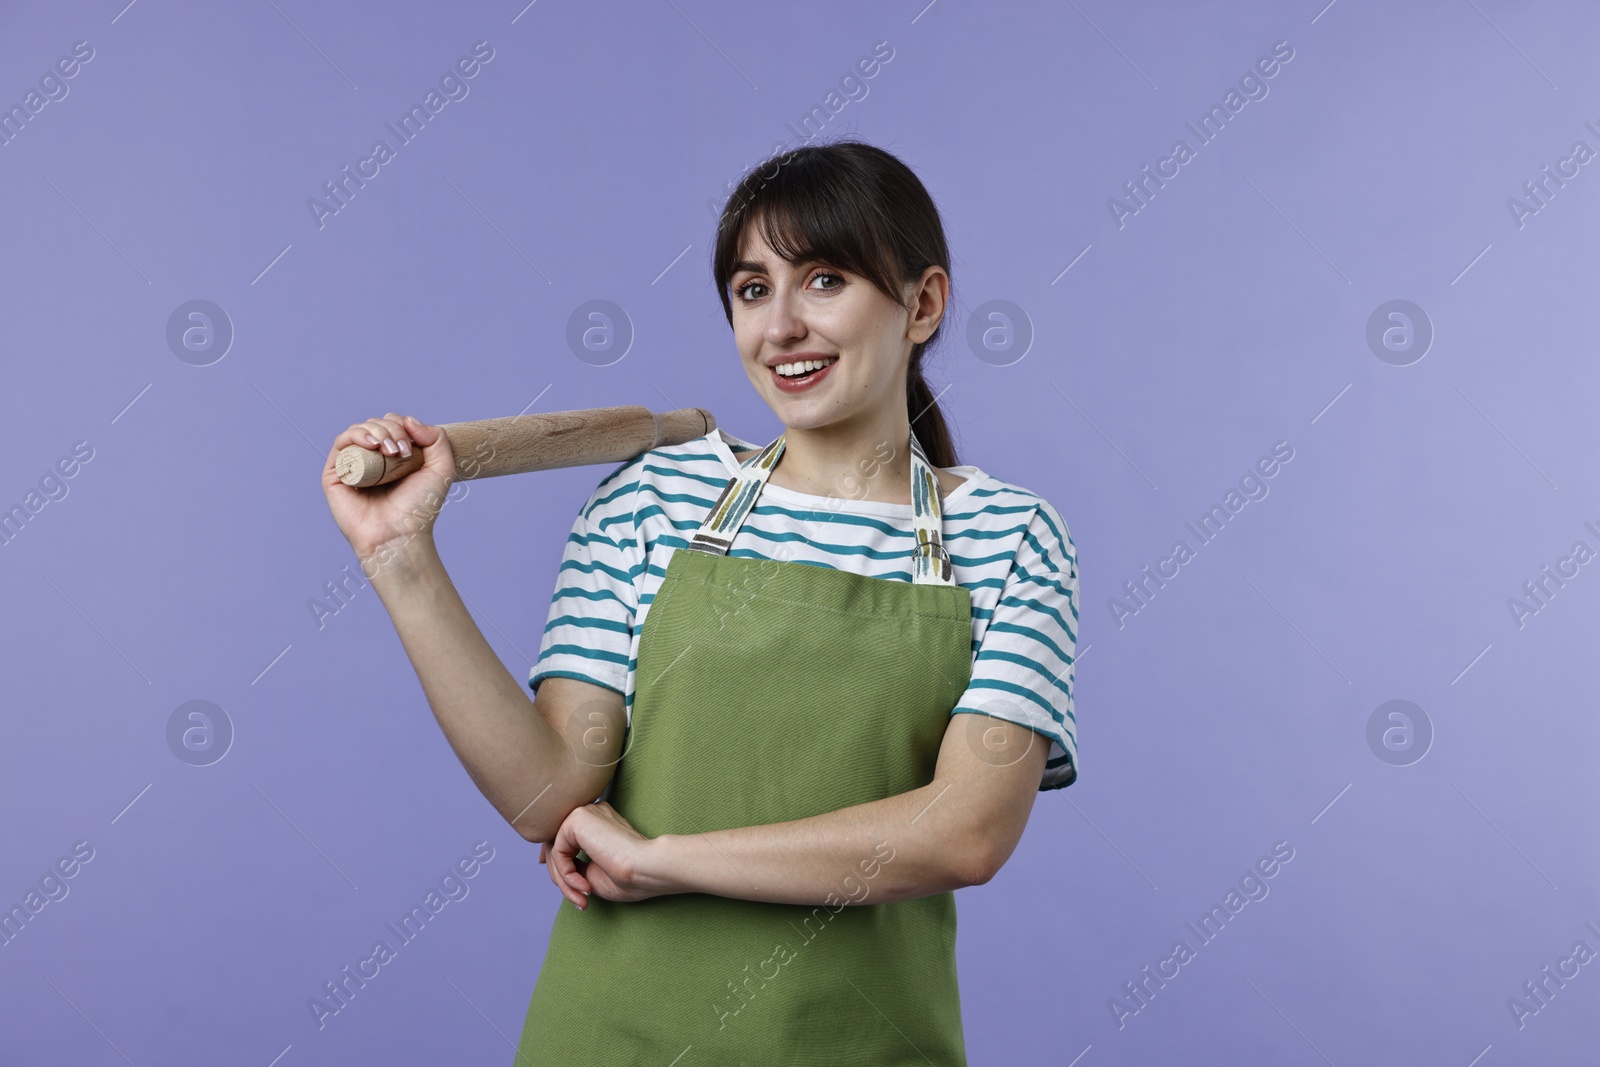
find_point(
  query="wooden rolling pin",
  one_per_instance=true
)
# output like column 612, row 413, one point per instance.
column 488, row 448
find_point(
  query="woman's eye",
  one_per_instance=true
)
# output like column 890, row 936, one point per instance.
column 743, row 291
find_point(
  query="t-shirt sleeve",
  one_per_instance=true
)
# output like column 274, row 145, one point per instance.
column 1023, row 670
column 589, row 630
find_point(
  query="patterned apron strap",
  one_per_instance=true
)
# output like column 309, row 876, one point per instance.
column 930, row 561
column 931, row 565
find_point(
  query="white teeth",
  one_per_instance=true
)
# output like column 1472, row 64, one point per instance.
column 805, row 366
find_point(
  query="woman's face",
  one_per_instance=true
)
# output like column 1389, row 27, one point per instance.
column 785, row 313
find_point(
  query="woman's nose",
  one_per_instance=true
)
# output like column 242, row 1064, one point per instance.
column 784, row 320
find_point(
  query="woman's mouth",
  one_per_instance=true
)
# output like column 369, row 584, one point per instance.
column 802, row 374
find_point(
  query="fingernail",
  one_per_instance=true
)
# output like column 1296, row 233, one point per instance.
column 390, row 447
column 405, row 448
column 371, row 440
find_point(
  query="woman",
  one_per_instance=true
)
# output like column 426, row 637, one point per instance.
column 758, row 659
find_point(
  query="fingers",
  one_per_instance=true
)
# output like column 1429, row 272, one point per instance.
column 380, row 434
column 572, row 882
column 567, row 890
column 563, row 867
column 555, row 880
column 393, row 434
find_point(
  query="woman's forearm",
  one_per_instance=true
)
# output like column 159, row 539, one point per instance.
column 517, row 759
column 898, row 848
column 956, row 831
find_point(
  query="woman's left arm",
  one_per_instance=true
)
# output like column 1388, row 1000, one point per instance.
column 956, row 831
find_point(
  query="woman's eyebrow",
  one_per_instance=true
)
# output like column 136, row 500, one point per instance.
column 761, row 268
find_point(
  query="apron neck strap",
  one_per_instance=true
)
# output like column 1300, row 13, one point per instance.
column 930, row 563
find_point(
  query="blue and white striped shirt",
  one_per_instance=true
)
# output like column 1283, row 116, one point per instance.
column 1009, row 548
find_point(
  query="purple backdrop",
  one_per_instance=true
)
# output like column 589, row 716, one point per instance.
column 1375, row 256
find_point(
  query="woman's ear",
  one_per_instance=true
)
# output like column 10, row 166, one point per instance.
column 926, row 303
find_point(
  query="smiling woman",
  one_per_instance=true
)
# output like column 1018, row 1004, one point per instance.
column 778, row 684
column 767, row 670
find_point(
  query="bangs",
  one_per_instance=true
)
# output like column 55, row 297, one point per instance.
column 810, row 210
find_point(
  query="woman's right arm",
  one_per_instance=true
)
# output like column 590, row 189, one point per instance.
column 534, row 759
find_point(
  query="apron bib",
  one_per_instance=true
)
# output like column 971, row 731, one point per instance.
column 771, row 690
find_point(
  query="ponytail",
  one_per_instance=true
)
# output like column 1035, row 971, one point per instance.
column 927, row 421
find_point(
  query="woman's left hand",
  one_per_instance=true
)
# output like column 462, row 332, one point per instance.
column 619, row 866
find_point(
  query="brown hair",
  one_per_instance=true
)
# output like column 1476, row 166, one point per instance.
column 860, row 208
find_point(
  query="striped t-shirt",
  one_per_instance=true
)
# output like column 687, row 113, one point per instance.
column 1009, row 548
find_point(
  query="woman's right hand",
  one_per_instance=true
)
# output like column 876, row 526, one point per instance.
column 388, row 516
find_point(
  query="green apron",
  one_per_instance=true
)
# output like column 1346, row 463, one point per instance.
column 771, row 690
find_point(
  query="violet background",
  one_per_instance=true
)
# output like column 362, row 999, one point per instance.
column 587, row 161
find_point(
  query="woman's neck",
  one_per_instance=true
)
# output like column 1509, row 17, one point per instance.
column 849, row 465
column 878, row 472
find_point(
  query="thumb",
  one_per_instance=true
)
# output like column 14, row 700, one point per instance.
column 421, row 432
